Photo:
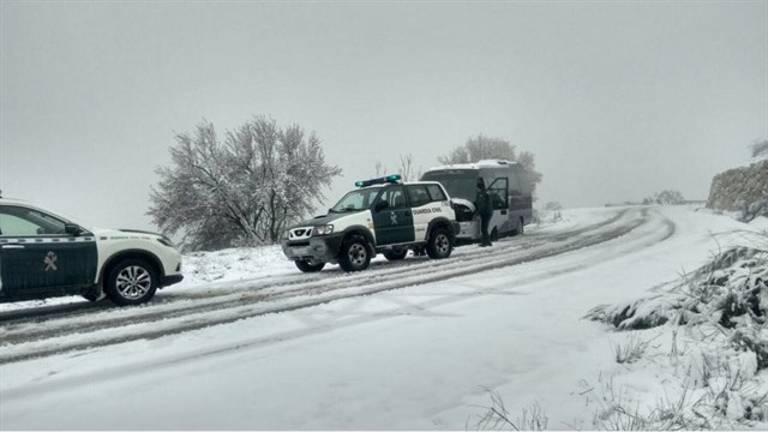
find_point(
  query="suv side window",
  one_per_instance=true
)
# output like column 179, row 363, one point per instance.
column 24, row 222
column 436, row 192
column 395, row 197
column 418, row 195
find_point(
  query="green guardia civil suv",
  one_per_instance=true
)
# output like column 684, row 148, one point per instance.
column 384, row 215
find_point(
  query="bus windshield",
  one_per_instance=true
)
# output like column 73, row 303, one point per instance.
column 458, row 183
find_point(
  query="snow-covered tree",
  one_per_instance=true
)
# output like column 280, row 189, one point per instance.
column 669, row 197
column 243, row 190
column 483, row 147
column 760, row 150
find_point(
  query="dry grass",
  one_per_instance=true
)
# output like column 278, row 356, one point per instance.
column 498, row 417
column 630, row 351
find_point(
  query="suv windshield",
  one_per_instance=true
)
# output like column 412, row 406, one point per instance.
column 458, row 183
column 360, row 199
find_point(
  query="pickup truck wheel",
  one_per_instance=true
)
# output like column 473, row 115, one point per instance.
column 132, row 281
column 355, row 255
column 439, row 245
column 308, row 267
column 395, row 254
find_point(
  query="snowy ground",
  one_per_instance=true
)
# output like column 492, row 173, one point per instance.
column 411, row 345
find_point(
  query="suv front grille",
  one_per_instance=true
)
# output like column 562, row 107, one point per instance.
column 303, row 233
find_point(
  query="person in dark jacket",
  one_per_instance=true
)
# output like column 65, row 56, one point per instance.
column 484, row 210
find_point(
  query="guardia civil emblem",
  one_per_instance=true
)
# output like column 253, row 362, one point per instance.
column 50, row 262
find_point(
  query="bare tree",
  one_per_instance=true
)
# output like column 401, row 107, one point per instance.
column 483, row 147
column 381, row 170
column 408, row 171
column 244, row 190
column 407, row 168
column 479, row 148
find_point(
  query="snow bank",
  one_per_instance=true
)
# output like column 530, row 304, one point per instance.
column 234, row 264
column 718, row 370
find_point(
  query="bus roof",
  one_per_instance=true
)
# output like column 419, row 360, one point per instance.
column 486, row 163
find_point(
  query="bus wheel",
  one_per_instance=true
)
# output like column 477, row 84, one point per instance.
column 520, row 229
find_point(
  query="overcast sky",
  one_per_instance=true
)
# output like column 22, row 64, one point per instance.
column 616, row 99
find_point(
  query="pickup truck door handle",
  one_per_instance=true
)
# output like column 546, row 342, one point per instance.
column 12, row 246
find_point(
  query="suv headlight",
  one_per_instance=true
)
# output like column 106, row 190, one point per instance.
column 324, row 229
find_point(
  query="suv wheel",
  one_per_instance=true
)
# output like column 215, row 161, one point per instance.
column 131, row 281
column 94, row 295
column 355, row 255
column 308, row 267
column 440, row 245
column 396, row 254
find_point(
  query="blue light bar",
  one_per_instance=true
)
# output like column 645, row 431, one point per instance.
column 393, row 178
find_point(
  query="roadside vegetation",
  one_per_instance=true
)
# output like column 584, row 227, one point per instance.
column 240, row 189
column 712, row 326
column 498, row 417
column 666, row 197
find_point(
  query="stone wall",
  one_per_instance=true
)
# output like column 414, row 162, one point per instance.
column 741, row 189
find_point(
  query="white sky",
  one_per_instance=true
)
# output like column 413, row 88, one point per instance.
column 617, row 99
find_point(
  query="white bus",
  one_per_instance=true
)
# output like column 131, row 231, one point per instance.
column 507, row 183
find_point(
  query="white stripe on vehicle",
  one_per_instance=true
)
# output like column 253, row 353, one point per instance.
column 34, row 240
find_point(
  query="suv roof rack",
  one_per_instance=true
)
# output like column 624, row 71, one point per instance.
column 393, row 178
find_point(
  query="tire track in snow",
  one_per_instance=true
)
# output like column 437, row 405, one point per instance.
column 305, row 296
column 72, row 310
column 125, row 316
column 596, row 257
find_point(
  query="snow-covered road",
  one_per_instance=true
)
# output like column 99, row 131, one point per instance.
column 406, row 345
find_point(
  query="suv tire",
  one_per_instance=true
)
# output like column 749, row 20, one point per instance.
column 132, row 281
column 307, row 267
column 440, row 244
column 94, row 295
column 396, row 254
column 355, row 254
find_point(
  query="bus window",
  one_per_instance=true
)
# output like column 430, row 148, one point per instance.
column 499, row 191
column 458, row 183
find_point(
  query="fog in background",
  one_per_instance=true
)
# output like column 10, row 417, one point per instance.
column 616, row 100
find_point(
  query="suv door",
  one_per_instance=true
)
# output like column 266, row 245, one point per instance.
column 394, row 223
column 38, row 258
column 422, row 209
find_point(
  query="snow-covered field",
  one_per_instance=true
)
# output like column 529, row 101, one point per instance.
column 246, row 341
